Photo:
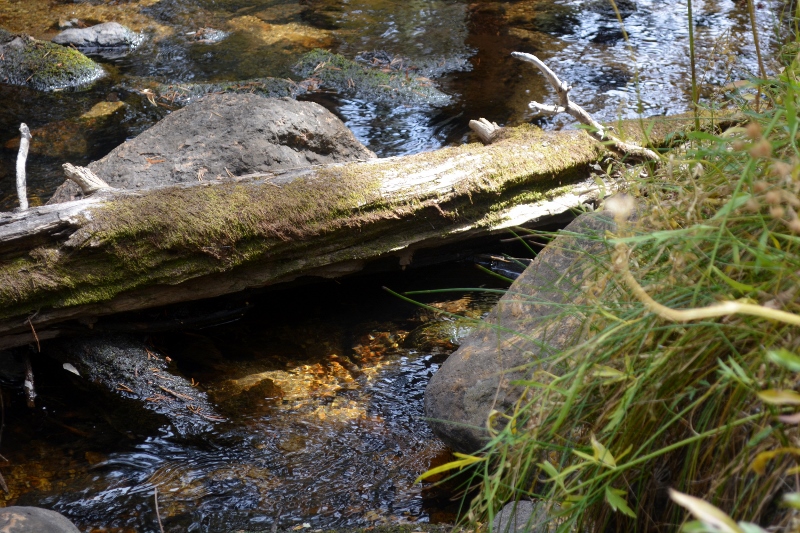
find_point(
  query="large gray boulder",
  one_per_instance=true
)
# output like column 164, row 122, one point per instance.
column 527, row 325
column 223, row 135
column 34, row 520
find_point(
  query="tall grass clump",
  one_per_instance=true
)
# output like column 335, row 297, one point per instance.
column 685, row 375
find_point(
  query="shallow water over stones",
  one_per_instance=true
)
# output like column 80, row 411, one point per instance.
column 321, row 392
column 581, row 39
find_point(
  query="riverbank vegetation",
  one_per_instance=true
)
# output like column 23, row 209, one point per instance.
column 685, row 374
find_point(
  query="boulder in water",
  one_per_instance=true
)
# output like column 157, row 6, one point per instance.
column 44, row 65
column 527, row 326
column 34, row 520
column 108, row 38
column 225, row 135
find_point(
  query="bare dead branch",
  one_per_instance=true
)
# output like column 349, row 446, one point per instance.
column 22, row 157
column 581, row 115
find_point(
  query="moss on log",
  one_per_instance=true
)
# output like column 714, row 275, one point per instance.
column 122, row 250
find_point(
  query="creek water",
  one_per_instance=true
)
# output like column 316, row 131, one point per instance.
column 323, row 445
column 332, row 433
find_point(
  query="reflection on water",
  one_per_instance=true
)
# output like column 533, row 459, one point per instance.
column 322, row 388
column 582, row 40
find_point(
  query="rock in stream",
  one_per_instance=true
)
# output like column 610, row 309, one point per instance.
column 110, row 39
column 44, row 65
column 224, row 135
column 527, row 326
column 140, row 375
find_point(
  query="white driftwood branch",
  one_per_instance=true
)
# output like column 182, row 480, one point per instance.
column 22, row 156
column 581, row 115
column 486, row 131
column 87, row 180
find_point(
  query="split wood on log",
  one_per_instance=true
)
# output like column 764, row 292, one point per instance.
column 87, row 180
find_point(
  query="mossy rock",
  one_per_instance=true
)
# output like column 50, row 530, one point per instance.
column 353, row 79
column 44, row 65
column 183, row 94
column 545, row 17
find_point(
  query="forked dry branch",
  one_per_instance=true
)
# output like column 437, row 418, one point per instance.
column 596, row 129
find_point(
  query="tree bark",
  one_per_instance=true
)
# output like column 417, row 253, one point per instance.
column 117, row 250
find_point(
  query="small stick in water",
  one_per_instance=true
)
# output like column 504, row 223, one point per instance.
column 22, row 156
column 30, row 392
column 158, row 515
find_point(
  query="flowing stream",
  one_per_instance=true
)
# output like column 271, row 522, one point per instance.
column 333, row 435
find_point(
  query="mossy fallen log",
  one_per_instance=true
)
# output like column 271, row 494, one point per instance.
column 62, row 265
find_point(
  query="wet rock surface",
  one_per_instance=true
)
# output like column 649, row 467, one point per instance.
column 111, row 39
column 43, row 65
column 182, row 94
column 18, row 519
column 224, row 135
column 525, row 516
column 477, row 378
column 130, row 370
column 376, row 77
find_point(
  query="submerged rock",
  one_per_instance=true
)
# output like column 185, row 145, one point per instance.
column 17, row 519
column 224, row 135
column 72, row 138
column 526, row 517
column 107, row 39
column 208, row 36
column 546, row 16
column 183, row 94
column 44, row 65
column 526, row 326
column 127, row 368
column 372, row 84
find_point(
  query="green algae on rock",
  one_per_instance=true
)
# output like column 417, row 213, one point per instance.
column 43, row 65
column 351, row 78
column 182, row 94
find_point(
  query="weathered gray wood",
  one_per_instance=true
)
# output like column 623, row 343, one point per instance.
column 22, row 157
column 487, row 131
column 87, row 180
column 597, row 130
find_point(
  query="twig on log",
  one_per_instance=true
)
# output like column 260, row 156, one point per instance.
column 87, row 180
column 567, row 106
column 30, row 393
column 22, row 156
column 486, row 131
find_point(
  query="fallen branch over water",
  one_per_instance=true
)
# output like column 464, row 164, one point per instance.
column 64, row 265
column 121, row 250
